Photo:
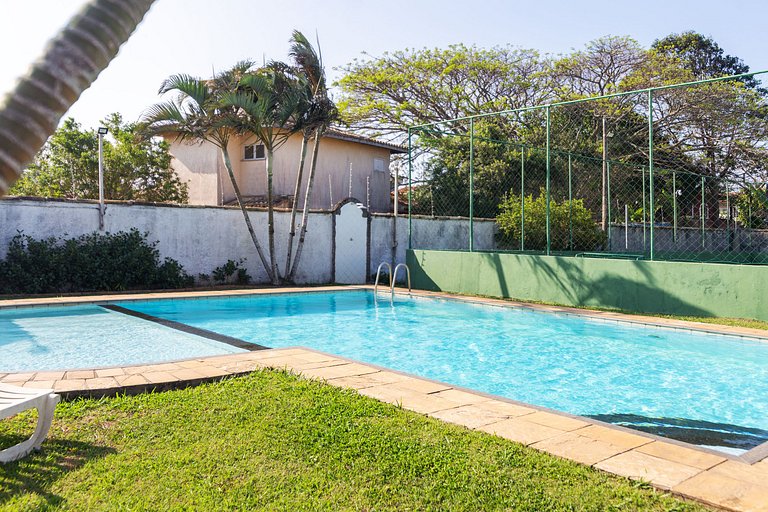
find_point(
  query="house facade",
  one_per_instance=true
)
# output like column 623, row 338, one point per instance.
column 348, row 166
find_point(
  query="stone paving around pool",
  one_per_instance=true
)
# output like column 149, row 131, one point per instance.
column 728, row 482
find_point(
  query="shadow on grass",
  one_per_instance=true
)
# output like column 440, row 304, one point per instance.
column 36, row 473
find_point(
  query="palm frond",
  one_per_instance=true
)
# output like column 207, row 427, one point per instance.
column 229, row 79
column 160, row 118
column 186, row 86
column 306, row 59
column 258, row 83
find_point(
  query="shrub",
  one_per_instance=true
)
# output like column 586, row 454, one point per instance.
column 92, row 262
column 752, row 207
column 587, row 235
column 231, row 273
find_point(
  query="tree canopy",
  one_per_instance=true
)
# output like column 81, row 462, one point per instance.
column 716, row 130
column 134, row 168
column 702, row 56
column 403, row 88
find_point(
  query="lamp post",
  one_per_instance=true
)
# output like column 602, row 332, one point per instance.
column 102, row 131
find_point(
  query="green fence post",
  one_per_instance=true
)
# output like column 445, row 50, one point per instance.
column 410, row 170
column 728, row 214
column 608, row 200
column 674, row 207
column 702, row 212
column 650, row 164
column 549, row 244
column 642, row 172
column 522, row 197
column 570, row 205
column 471, row 184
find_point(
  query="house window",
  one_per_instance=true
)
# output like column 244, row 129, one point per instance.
column 253, row 152
column 379, row 165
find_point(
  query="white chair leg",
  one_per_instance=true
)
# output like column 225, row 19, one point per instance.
column 44, row 418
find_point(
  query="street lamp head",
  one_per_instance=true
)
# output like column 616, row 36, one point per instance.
column 103, row 130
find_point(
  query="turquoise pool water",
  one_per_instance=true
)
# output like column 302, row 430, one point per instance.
column 710, row 390
column 57, row 338
column 706, row 389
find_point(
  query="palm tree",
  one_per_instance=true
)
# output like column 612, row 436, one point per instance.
column 308, row 65
column 197, row 112
column 318, row 117
column 73, row 59
column 268, row 101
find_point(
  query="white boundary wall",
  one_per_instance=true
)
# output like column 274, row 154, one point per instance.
column 202, row 238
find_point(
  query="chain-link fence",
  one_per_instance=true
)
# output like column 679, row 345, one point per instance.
column 675, row 173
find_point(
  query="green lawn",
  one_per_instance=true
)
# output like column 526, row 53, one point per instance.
column 274, row 441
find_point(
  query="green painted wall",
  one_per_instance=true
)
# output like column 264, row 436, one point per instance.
column 679, row 288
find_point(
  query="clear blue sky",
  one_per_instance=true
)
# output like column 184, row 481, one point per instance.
column 198, row 36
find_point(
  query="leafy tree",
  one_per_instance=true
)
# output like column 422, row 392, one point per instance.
column 752, row 207
column 409, row 87
column 564, row 216
column 496, row 169
column 703, row 57
column 599, row 68
column 721, row 127
column 716, row 130
column 72, row 61
column 134, row 168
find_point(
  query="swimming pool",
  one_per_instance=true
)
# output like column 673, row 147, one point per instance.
column 90, row 336
column 710, row 390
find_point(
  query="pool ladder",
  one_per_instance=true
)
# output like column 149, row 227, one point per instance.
column 392, row 279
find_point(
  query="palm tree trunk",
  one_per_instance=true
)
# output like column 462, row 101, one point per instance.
column 73, row 59
column 228, row 165
column 305, row 212
column 294, row 206
column 271, row 219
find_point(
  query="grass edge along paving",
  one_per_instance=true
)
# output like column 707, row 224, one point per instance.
column 273, row 440
column 748, row 323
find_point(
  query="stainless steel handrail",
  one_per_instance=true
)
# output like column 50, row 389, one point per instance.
column 393, row 280
column 378, row 274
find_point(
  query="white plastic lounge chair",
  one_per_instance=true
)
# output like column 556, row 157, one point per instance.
column 13, row 400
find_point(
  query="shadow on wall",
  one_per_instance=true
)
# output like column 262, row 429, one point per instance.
column 611, row 289
column 551, row 279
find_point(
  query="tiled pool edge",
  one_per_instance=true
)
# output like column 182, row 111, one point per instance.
column 99, row 299
column 691, row 473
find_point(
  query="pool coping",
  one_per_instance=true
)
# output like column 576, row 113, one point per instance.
column 734, row 482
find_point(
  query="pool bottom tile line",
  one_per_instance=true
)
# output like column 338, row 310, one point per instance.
column 203, row 333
